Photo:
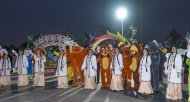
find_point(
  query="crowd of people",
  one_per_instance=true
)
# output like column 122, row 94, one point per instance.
column 148, row 69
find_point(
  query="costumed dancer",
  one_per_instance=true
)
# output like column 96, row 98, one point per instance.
column 29, row 55
column 145, row 74
column 173, row 68
column 76, row 63
column 133, row 67
column 105, row 60
column 89, row 67
column 5, row 68
column 116, row 68
column 61, row 72
column 39, row 59
column 155, row 65
column 22, row 65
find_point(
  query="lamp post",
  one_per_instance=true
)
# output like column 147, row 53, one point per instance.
column 121, row 14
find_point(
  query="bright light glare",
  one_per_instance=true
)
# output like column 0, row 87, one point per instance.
column 121, row 13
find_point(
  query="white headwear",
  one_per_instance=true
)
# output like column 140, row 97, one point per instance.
column 14, row 52
column 30, row 52
column 1, row 51
column 5, row 51
column 62, row 48
column 154, row 41
column 188, row 37
column 146, row 46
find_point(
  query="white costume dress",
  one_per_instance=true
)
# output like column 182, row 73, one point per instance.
column 116, row 68
column 90, row 67
column 39, row 70
column 22, row 65
column 145, row 75
column 173, row 67
column 5, row 68
column 61, row 72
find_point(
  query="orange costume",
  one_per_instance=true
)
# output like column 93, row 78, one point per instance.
column 127, row 61
column 105, row 60
column 76, row 56
column 136, row 51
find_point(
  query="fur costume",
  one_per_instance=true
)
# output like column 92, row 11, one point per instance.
column 105, row 60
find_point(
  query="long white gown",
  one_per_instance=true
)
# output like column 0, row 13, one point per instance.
column 22, row 65
column 173, row 67
column 5, row 68
column 116, row 67
column 90, row 67
column 61, row 72
column 145, row 75
column 39, row 70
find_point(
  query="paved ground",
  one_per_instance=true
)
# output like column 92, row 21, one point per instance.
column 76, row 94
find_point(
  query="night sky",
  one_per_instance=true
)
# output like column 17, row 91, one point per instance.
column 20, row 18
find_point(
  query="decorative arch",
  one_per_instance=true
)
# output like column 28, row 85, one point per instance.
column 108, row 36
column 54, row 40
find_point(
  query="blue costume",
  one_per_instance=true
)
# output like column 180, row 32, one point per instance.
column 30, row 70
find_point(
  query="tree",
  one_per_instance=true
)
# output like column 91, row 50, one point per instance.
column 175, row 38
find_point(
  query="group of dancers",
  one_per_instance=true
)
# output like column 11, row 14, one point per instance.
column 173, row 67
column 22, row 65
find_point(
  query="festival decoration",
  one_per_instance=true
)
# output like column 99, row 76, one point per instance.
column 54, row 40
column 49, row 42
column 110, row 35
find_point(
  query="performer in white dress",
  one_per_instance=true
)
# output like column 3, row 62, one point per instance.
column 89, row 67
column 39, row 59
column 22, row 65
column 116, row 68
column 5, row 68
column 61, row 72
column 145, row 74
column 173, row 68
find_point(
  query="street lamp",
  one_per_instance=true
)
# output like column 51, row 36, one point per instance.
column 121, row 14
